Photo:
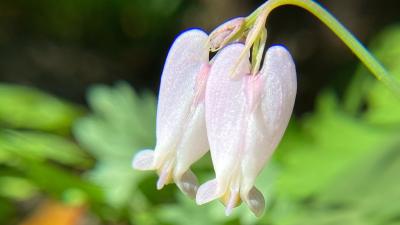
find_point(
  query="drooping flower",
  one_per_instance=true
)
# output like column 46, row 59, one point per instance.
column 246, row 116
column 181, row 130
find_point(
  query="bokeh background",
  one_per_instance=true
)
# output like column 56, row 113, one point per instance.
column 79, row 80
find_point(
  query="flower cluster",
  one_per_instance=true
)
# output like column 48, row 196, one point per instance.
column 223, row 105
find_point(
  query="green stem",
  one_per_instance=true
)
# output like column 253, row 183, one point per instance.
column 352, row 42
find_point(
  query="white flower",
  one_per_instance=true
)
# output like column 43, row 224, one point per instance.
column 181, row 130
column 246, row 117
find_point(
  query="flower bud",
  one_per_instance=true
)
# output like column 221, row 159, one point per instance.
column 226, row 33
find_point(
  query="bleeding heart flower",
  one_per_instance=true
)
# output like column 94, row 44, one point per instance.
column 246, row 117
column 181, row 130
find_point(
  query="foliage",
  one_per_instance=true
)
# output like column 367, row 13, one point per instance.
column 336, row 165
column 118, row 127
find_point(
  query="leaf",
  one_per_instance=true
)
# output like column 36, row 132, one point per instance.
column 185, row 211
column 373, row 185
column 40, row 146
column 121, row 124
column 23, row 107
column 383, row 106
column 328, row 143
column 16, row 188
column 58, row 183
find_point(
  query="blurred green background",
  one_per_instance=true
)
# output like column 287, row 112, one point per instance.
column 78, row 89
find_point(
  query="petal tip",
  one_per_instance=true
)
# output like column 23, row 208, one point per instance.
column 256, row 202
column 143, row 160
column 188, row 184
column 207, row 192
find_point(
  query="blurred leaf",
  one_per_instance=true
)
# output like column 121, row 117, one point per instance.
column 16, row 188
column 58, row 182
column 328, row 144
column 40, row 146
column 7, row 212
column 363, row 195
column 186, row 211
column 121, row 124
column 383, row 106
column 23, row 107
column 372, row 185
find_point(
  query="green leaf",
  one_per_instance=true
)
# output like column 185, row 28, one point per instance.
column 40, row 146
column 383, row 106
column 121, row 124
column 326, row 146
column 16, row 188
column 185, row 211
column 23, row 107
column 58, row 182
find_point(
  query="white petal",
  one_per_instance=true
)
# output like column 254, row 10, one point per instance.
column 181, row 132
column 144, row 160
column 194, row 143
column 177, row 89
column 224, row 108
column 278, row 92
column 224, row 118
column 208, row 192
column 245, row 120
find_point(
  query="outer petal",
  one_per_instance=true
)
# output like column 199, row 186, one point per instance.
column 276, row 87
column 225, row 123
column 272, row 96
column 177, row 89
column 181, row 133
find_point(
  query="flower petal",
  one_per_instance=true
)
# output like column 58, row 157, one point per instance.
column 245, row 118
column 224, row 119
column 275, row 89
column 177, row 89
column 181, row 132
column 144, row 160
column 208, row 192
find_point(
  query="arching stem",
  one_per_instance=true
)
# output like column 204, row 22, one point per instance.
column 352, row 42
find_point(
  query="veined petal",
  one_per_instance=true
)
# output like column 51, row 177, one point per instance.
column 181, row 133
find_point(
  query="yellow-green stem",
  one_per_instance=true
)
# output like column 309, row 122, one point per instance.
column 352, row 42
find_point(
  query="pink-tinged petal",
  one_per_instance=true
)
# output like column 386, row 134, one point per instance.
column 274, row 91
column 275, row 87
column 224, row 108
column 280, row 89
column 224, row 119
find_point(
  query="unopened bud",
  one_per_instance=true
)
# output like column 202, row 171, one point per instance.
column 226, row 33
